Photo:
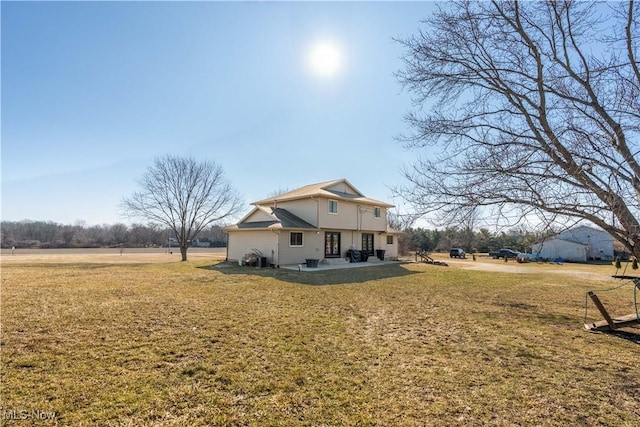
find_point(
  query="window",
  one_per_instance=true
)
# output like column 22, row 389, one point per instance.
column 376, row 212
column 333, row 206
column 389, row 240
column 295, row 238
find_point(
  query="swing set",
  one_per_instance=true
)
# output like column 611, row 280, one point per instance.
column 611, row 323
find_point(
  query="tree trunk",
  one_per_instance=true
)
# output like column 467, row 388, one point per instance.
column 183, row 252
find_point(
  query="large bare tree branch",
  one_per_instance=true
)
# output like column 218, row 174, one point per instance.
column 527, row 114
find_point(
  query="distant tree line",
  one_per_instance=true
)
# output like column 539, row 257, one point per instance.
column 415, row 239
column 47, row 234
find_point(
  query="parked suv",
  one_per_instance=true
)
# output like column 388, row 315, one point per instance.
column 457, row 253
column 503, row 253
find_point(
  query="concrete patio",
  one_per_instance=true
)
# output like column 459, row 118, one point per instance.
column 338, row 265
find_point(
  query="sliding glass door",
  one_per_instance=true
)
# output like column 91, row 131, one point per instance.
column 367, row 243
column 332, row 244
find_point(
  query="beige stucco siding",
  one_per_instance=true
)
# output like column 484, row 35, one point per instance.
column 242, row 242
column 392, row 249
column 368, row 220
column 312, row 247
column 350, row 216
column 342, row 187
column 345, row 219
column 258, row 215
column 379, row 242
column 348, row 238
column 354, row 238
column 307, row 209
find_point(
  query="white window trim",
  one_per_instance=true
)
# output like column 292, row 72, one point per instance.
column 301, row 235
column 379, row 211
column 329, row 207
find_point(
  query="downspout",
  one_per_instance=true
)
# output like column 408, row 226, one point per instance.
column 358, row 225
column 226, row 258
column 317, row 212
column 317, row 218
column 276, row 257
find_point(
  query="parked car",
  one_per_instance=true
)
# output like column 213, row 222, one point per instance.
column 504, row 253
column 457, row 253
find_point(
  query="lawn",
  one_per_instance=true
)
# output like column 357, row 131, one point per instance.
column 138, row 341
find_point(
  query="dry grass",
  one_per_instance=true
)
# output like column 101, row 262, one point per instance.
column 104, row 342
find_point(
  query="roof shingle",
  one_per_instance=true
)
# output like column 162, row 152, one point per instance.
column 322, row 189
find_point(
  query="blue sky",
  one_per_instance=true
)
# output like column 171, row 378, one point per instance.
column 93, row 91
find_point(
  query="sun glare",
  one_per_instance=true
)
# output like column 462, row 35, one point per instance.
column 325, row 59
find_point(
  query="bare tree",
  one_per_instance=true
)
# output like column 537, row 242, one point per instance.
column 279, row 191
column 401, row 223
column 119, row 233
column 532, row 108
column 184, row 195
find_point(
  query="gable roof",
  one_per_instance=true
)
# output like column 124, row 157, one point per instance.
column 289, row 220
column 572, row 233
column 282, row 218
column 327, row 189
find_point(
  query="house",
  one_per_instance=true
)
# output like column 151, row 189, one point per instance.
column 577, row 244
column 318, row 221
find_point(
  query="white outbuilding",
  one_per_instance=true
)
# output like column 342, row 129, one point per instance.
column 578, row 244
